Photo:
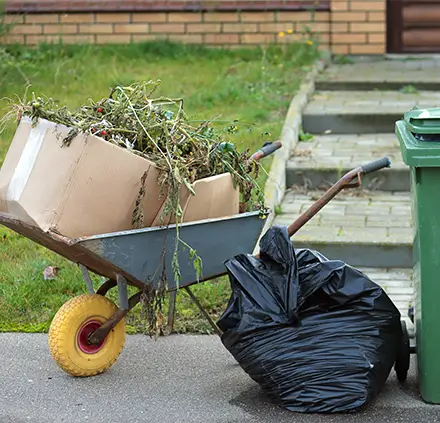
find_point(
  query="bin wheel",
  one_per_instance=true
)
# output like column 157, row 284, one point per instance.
column 402, row 364
column 69, row 331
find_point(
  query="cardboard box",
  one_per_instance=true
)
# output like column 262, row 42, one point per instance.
column 87, row 188
column 91, row 186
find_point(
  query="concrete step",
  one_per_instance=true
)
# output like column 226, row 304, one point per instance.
column 320, row 162
column 384, row 74
column 357, row 112
column 366, row 85
column 367, row 229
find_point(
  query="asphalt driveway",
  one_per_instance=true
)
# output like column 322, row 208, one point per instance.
column 178, row 379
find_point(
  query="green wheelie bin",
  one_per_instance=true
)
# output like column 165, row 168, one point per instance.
column 419, row 136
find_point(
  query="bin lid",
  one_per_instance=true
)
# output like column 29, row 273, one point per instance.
column 416, row 151
column 423, row 121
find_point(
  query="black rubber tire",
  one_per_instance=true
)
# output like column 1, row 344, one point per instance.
column 402, row 364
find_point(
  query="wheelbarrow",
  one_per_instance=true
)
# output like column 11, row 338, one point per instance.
column 87, row 333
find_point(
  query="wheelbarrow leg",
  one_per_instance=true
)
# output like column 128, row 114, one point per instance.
column 171, row 311
column 203, row 311
column 88, row 281
column 122, row 292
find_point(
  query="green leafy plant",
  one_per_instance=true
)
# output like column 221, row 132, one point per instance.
column 342, row 59
column 304, row 35
column 7, row 60
column 4, row 27
column 304, row 136
column 409, row 89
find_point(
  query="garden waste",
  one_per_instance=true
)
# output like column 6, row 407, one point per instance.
column 128, row 161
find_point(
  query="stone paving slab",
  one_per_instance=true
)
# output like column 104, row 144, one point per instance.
column 369, row 102
column 356, row 112
column 369, row 229
column 390, row 74
column 323, row 160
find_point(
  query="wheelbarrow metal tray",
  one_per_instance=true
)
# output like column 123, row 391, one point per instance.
column 140, row 252
column 137, row 254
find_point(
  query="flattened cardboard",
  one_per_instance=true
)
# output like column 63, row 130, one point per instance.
column 214, row 197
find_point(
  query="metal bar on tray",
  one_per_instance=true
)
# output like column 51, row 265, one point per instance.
column 203, row 311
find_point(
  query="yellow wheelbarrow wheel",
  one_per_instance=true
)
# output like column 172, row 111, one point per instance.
column 69, row 331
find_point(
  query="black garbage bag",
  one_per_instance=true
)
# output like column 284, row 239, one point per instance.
column 318, row 335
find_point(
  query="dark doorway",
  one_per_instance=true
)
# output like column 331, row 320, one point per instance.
column 413, row 26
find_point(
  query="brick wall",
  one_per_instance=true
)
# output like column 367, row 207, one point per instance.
column 346, row 26
column 212, row 28
column 358, row 26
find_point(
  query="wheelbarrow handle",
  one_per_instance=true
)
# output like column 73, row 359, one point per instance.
column 345, row 182
column 267, row 149
column 376, row 165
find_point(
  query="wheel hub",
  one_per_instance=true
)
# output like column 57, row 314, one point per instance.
column 83, row 337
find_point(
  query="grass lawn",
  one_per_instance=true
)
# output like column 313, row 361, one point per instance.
column 252, row 86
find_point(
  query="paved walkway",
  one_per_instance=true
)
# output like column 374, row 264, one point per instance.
column 178, row 379
column 376, row 217
column 352, row 119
